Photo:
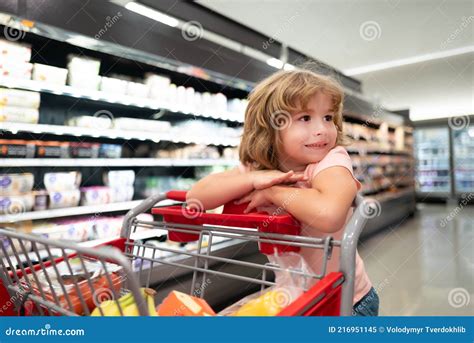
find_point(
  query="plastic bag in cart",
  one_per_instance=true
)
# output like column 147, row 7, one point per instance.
column 290, row 282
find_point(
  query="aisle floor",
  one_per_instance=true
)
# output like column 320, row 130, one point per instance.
column 425, row 265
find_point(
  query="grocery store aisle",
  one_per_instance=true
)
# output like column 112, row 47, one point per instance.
column 424, row 266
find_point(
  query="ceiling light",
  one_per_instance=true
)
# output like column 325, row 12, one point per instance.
column 152, row 14
column 275, row 63
column 408, row 61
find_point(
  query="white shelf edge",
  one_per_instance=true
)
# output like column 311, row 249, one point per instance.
column 96, row 95
column 111, row 162
column 112, row 133
column 70, row 211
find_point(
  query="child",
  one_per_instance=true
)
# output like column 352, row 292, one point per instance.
column 293, row 137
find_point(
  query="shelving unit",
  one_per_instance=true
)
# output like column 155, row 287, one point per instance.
column 112, row 162
column 379, row 161
column 68, row 212
column 110, row 98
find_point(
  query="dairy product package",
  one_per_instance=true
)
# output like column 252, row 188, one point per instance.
column 49, row 74
column 65, row 198
column 19, row 98
column 119, row 178
column 14, row 205
column 95, row 195
column 64, row 181
column 16, row 183
column 16, row 114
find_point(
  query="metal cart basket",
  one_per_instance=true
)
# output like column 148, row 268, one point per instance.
column 34, row 282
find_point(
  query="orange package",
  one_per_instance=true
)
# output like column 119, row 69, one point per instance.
column 181, row 304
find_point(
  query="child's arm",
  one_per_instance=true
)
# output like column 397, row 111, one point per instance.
column 324, row 206
column 218, row 189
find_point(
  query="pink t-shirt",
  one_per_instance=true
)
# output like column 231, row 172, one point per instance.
column 337, row 156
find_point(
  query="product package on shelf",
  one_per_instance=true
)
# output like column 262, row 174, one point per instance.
column 113, row 85
column 16, row 204
column 141, row 124
column 19, row 98
column 110, row 151
column 63, row 189
column 18, row 114
column 95, row 195
column 83, row 72
column 16, row 194
column 49, row 149
column 15, row 69
column 17, row 148
column 16, row 183
column 84, row 150
column 119, row 178
column 14, row 51
column 49, row 74
column 137, row 89
column 196, row 151
column 103, row 122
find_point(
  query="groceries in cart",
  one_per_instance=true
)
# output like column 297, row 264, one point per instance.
column 126, row 305
column 290, row 282
column 74, row 284
column 181, row 304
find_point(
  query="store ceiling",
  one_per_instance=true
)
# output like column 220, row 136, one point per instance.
column 332, row 31
column 415, row 51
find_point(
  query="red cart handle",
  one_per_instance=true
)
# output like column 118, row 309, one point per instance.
column 177, row 195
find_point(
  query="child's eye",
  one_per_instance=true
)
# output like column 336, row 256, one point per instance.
column 305, row 118
column 328, row 117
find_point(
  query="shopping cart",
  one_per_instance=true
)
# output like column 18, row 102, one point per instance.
column 141, row 261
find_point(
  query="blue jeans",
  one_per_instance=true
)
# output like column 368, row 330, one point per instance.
column 368, row 305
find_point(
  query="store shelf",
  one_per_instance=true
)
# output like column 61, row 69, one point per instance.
column 61, row 130
column 111, row 98
column 68, row 212
column 111, row 162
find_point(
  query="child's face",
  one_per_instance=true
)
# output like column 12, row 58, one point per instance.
column 310, row 135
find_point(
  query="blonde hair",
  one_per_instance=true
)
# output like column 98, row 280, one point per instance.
column 270, row 105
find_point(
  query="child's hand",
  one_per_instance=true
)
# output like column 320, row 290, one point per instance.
column 256, row 198
column 266, row 178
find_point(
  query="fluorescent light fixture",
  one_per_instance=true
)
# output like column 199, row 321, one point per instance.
column 408, row 61
column 289, row 67
column 275, row 63
column 151, row 13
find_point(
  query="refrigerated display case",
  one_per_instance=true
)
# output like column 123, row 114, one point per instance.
column 432, row 155
column 463, row 159
column 444, row 155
